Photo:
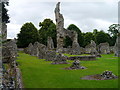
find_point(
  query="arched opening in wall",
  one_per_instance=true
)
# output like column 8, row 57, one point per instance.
column 67, row 42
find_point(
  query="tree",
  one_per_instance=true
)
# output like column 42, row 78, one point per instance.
column 95, row 31
column 102, row 37
column 47, row 28
column 67, row 42
column 113, row 29
column 88, row 37
column 80, row 37
column 5, row 16
column 28, row 34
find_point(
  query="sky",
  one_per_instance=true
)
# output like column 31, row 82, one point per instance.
column 87, row 15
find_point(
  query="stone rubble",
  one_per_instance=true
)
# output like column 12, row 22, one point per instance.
column 103, row 48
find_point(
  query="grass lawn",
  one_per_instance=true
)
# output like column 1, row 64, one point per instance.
column 37, row 73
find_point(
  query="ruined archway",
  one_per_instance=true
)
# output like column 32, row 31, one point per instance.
column 62, row 33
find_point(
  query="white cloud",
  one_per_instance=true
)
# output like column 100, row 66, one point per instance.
column 86, row 15
column 13, row 30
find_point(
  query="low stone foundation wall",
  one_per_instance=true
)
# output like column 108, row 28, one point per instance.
column 83, row 58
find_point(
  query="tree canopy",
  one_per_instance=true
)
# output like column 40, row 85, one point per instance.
column 47, row 28
column 28, row 34
column 80, row 36
column 5, row 16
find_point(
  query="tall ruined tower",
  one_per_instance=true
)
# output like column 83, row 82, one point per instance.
column 59, row 26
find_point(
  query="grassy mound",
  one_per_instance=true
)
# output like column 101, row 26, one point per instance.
column 37, row 73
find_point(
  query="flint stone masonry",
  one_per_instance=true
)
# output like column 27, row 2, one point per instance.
column 50, row 55
column 35, row 50
column 112, row 49
column 106, row 75
column 103, row 48
column 42, row 51
column 76, row 65
column 117, row 46
column 91, row 48
column 9, row 51
column 10, row 79
column 28, row 50
column 50, row 44
column 62, row 33
column 4, row 31
column 60, row 59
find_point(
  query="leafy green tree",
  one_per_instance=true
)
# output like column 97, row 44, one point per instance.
column 102, row 37
column 113, row 30
column 47, row 28
column 5, row 16
column 80, row 36
column 88, row 37
column 67, row 42
column 28, row 34
column 95, row 31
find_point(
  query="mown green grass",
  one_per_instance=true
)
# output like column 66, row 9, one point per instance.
column 37, row 73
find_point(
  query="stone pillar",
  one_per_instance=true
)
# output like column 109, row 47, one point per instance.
column 118, row 45
column 1, row 45
column 59, row 27
column 50, row 44
column 75, row 44
column 4, row 31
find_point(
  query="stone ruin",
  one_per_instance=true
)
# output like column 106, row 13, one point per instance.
column 91, row 48
column 50, row 55
column 60, row 59
column 42, row 52
column 9, row 51
column 112, row 49
column 117, row 47
column 50, row 44
column 4, row 31
column 106, row 75
column 62, row 33
column 35, row 49
column 38, row 50
column 11, row 76
column 103, row 48
column 28, row 50
column 76, row 65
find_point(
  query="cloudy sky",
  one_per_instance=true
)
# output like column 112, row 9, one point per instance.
column 87, row 15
